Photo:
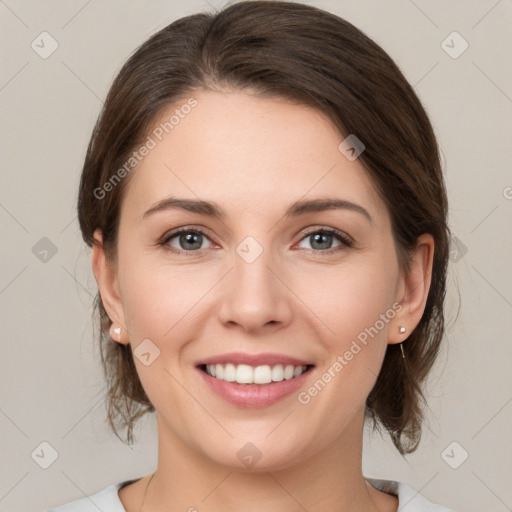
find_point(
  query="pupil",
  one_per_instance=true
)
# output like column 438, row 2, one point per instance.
column 318, row 238
column 189, row 238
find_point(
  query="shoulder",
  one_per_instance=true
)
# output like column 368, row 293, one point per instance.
column 106, row 500
column 409, row 500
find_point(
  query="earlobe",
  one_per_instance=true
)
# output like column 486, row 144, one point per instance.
column 106, row 279
column 414, row 290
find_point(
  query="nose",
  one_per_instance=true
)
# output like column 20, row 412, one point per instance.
column 256, row 295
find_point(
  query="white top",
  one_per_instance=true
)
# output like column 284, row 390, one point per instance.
column 107, row 500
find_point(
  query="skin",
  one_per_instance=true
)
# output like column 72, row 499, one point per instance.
column 254, row 156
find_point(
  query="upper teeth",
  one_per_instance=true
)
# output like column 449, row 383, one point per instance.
column 245, row 374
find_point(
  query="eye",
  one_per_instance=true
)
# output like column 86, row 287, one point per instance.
column 188, row 240
column 321, row 240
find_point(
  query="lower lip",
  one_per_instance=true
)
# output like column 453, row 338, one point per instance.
column 254, row 395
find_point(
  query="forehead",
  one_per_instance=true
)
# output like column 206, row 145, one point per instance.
column 246, row 153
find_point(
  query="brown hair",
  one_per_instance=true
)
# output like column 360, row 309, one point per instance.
column 306, row 55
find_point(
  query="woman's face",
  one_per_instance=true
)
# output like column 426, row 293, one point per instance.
column 257, row 287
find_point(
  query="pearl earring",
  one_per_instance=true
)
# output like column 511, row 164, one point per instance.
column 402, row 330
column 117, row 331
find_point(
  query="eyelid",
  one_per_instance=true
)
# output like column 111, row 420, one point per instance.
column 186, row 229
column 346, row 238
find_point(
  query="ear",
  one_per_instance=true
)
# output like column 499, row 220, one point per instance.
column 106, row 278
column 413, row 290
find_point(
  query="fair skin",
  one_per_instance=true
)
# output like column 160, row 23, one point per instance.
column 254, row 157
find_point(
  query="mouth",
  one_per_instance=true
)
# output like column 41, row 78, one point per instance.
column 249, row 381
column 254, row 380
column 261, row 375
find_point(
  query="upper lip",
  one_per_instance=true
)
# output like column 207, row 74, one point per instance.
column 254, row 359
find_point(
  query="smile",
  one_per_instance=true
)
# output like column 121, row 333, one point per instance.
column 254, row 380
column 246, row 374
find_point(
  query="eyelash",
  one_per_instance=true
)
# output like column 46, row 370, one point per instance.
column 346, row 242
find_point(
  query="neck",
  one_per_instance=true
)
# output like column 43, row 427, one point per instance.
column 331, row 480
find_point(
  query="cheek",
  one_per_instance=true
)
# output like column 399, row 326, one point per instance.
column 159, row 299
column 355, row 306
column 160, row 303
column 350, row 300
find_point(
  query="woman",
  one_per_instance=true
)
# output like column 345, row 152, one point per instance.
column 229, row 146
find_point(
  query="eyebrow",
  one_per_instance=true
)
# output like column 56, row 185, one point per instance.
column 301, row 207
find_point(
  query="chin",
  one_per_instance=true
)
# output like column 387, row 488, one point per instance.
column 259, row 455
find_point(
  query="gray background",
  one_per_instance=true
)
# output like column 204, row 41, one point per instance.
column 52, row 386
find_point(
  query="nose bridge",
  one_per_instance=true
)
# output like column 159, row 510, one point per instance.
column 251, row 270
column 255, row 296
